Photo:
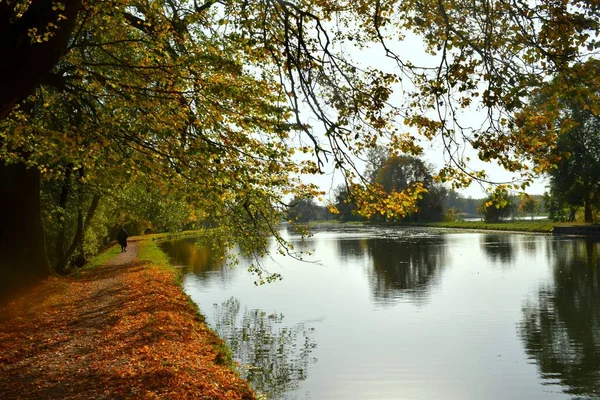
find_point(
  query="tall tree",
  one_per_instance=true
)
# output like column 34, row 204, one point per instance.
column 399, row 173
column 343, row 204
column 528, row 205
column 496, row 206
column 172, row 85
column 576, row 176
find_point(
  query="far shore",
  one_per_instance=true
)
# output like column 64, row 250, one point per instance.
column 531, row 226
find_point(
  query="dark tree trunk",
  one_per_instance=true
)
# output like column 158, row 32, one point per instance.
column 22, row 63
column 62, row 257
column 22, row 251
column 588, row 214
column 591, row 252
column 82, row 225
column 572, row 213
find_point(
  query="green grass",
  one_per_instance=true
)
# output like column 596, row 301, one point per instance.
column 148, row 251
column 519, row 226
column 540, row 226
column 102, row 258
column 174, row 235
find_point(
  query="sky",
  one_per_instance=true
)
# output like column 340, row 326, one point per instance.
column 412, row 49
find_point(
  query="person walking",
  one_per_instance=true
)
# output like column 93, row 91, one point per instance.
column 122, row 239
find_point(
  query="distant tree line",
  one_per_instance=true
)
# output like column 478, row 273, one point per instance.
column 573, row 191
column 392, row 173
column 395, row 173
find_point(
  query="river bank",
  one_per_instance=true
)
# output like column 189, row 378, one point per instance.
column 120, row 328
column 530, row 226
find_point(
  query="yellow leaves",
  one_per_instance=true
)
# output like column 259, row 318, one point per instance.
column 372, row 200
column 333, row 209
column 58, row 5
column 427, row 126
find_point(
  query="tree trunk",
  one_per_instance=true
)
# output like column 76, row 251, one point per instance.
column 65, row 254
column 572, row 213
column 82, row 226
column 62, row 260
column 22, row 251
column 588, row 214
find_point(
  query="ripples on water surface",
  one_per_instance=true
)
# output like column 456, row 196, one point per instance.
column 391, row 313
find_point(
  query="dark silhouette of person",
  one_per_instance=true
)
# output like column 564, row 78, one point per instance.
column 122, row 239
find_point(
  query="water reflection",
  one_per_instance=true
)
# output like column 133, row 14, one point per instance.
column 499, row 248
column 459, row 343
column 198, row 258
column 531, row 245
column 351, row 249
column 405, row 268
column 274, row 358
column 561, row 327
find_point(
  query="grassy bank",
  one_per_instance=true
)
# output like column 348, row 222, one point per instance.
column 113, row 331
column 176, row 235
column 534, row 226
column 518, row 226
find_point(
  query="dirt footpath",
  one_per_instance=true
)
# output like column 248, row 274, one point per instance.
column 123, row 330
column 127, row 257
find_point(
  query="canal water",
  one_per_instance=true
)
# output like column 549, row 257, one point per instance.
column 409, row 313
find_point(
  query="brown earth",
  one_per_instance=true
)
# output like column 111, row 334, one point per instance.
column 123, row 330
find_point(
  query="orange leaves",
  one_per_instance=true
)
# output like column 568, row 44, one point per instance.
column 117, row 332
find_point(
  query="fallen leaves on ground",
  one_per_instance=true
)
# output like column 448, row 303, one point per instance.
column 116, row 332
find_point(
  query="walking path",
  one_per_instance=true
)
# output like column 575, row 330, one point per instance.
column 122, row 330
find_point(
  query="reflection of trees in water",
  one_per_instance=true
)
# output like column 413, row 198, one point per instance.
column 403, row 268
column 499, row 247
column 561, row 330
column 274, row 357
column 351, row 249
column 531, row 244
column 197, row 257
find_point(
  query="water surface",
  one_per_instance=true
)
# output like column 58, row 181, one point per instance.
column 414, row 313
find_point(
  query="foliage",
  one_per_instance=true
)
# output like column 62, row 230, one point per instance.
column 208, row 100
column 575, row 179
column 555, row 208
column 528, row 205
column 343, row 206
column 178, row 117
column 398, row 174
column 375, row 160
column 449, row 215
column 402, row 177
column 496, row 206
column 305, row 210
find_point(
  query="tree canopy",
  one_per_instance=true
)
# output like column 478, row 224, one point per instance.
column 575, row 179
column 214, row 101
